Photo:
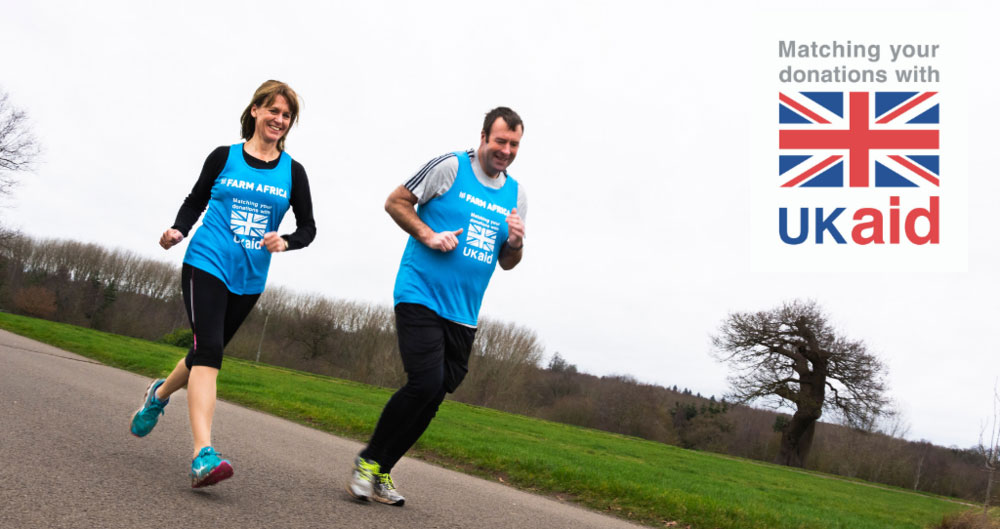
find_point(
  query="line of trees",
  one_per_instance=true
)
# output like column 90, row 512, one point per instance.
column 119, row 291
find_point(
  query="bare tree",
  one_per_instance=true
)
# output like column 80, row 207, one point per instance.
column 18, row 150
column 18, row 146
column 791, row 356
column 990, row 452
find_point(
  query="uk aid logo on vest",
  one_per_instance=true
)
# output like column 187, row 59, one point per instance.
column 248, row 228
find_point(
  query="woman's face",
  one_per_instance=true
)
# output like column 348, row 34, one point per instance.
column 272, row 120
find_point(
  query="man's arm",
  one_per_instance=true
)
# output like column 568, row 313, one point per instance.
column 511, row 251
column 401, row 206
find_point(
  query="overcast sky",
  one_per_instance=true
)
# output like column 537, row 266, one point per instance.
column 637, row 117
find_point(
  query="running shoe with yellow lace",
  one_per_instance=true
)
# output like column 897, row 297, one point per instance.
column 385, row 491
column 362, row 478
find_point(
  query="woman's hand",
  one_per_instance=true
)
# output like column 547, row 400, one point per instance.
column 170, row 238
column 274, row 242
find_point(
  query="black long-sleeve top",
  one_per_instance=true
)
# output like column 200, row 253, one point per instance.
column 300, row 199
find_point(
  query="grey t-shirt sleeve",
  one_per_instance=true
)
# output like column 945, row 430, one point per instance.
column 434, row 178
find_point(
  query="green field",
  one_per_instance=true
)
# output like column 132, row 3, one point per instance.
column 648, row 482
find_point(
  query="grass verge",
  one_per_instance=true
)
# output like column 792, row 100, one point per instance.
column 648, row 482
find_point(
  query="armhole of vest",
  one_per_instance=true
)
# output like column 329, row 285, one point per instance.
column 234, row 151
column 458, row 171
column 290, row 172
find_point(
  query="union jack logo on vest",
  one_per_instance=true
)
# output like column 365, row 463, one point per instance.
column 884, row 139
column 247, row 224
column 481, row 237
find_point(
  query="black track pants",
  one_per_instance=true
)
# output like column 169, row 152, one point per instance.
column 435, row 355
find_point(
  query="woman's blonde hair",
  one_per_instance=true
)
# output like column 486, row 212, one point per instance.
column 265, row 96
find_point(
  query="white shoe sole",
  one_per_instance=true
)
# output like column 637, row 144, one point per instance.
column 359, row 495
column 387, row 501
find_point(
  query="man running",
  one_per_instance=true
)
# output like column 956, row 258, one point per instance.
column 464, row 214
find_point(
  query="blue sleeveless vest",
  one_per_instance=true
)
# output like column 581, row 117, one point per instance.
column 246, row 203
column 452, row 283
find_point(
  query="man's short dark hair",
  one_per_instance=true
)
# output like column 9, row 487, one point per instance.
column 509, row 117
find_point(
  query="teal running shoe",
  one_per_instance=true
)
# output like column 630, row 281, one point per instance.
column 209, row 468
column 146, row 416
column 385, row 491
column 362, row 478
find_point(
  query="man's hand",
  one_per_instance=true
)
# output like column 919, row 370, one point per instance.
column 170, row 238
column 274, row 242
column 515, row 230
column 510, row 252
column 401, row 206
column 444, row 241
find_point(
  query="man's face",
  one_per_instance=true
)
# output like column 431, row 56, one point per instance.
column 499, row 149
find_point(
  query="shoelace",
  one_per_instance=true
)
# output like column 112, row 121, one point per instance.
column 153, row 408
column 156, row 404
column 208, row 462
column 386, row 481
column 210, row 452
column 367, row 470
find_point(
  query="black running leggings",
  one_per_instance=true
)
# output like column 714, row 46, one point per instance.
column 435, row 355
column 215, row 314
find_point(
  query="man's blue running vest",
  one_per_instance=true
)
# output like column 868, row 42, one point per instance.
column 452, row 283
column 246, row 203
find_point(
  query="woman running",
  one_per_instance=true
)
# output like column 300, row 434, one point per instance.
column 248, row 188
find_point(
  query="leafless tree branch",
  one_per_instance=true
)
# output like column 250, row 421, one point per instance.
column 19, row 147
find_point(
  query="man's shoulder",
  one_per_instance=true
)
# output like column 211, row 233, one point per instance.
column 445, row 162
column 450, row 160
column 453, row 155
column 434, row 178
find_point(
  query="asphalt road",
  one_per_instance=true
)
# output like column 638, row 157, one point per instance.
column 67, row 460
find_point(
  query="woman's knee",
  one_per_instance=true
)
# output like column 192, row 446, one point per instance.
column 209, row 356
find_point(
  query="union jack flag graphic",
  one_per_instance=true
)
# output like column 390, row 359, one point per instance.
column 481, row 237
column 247, row 224
column 884, row 139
